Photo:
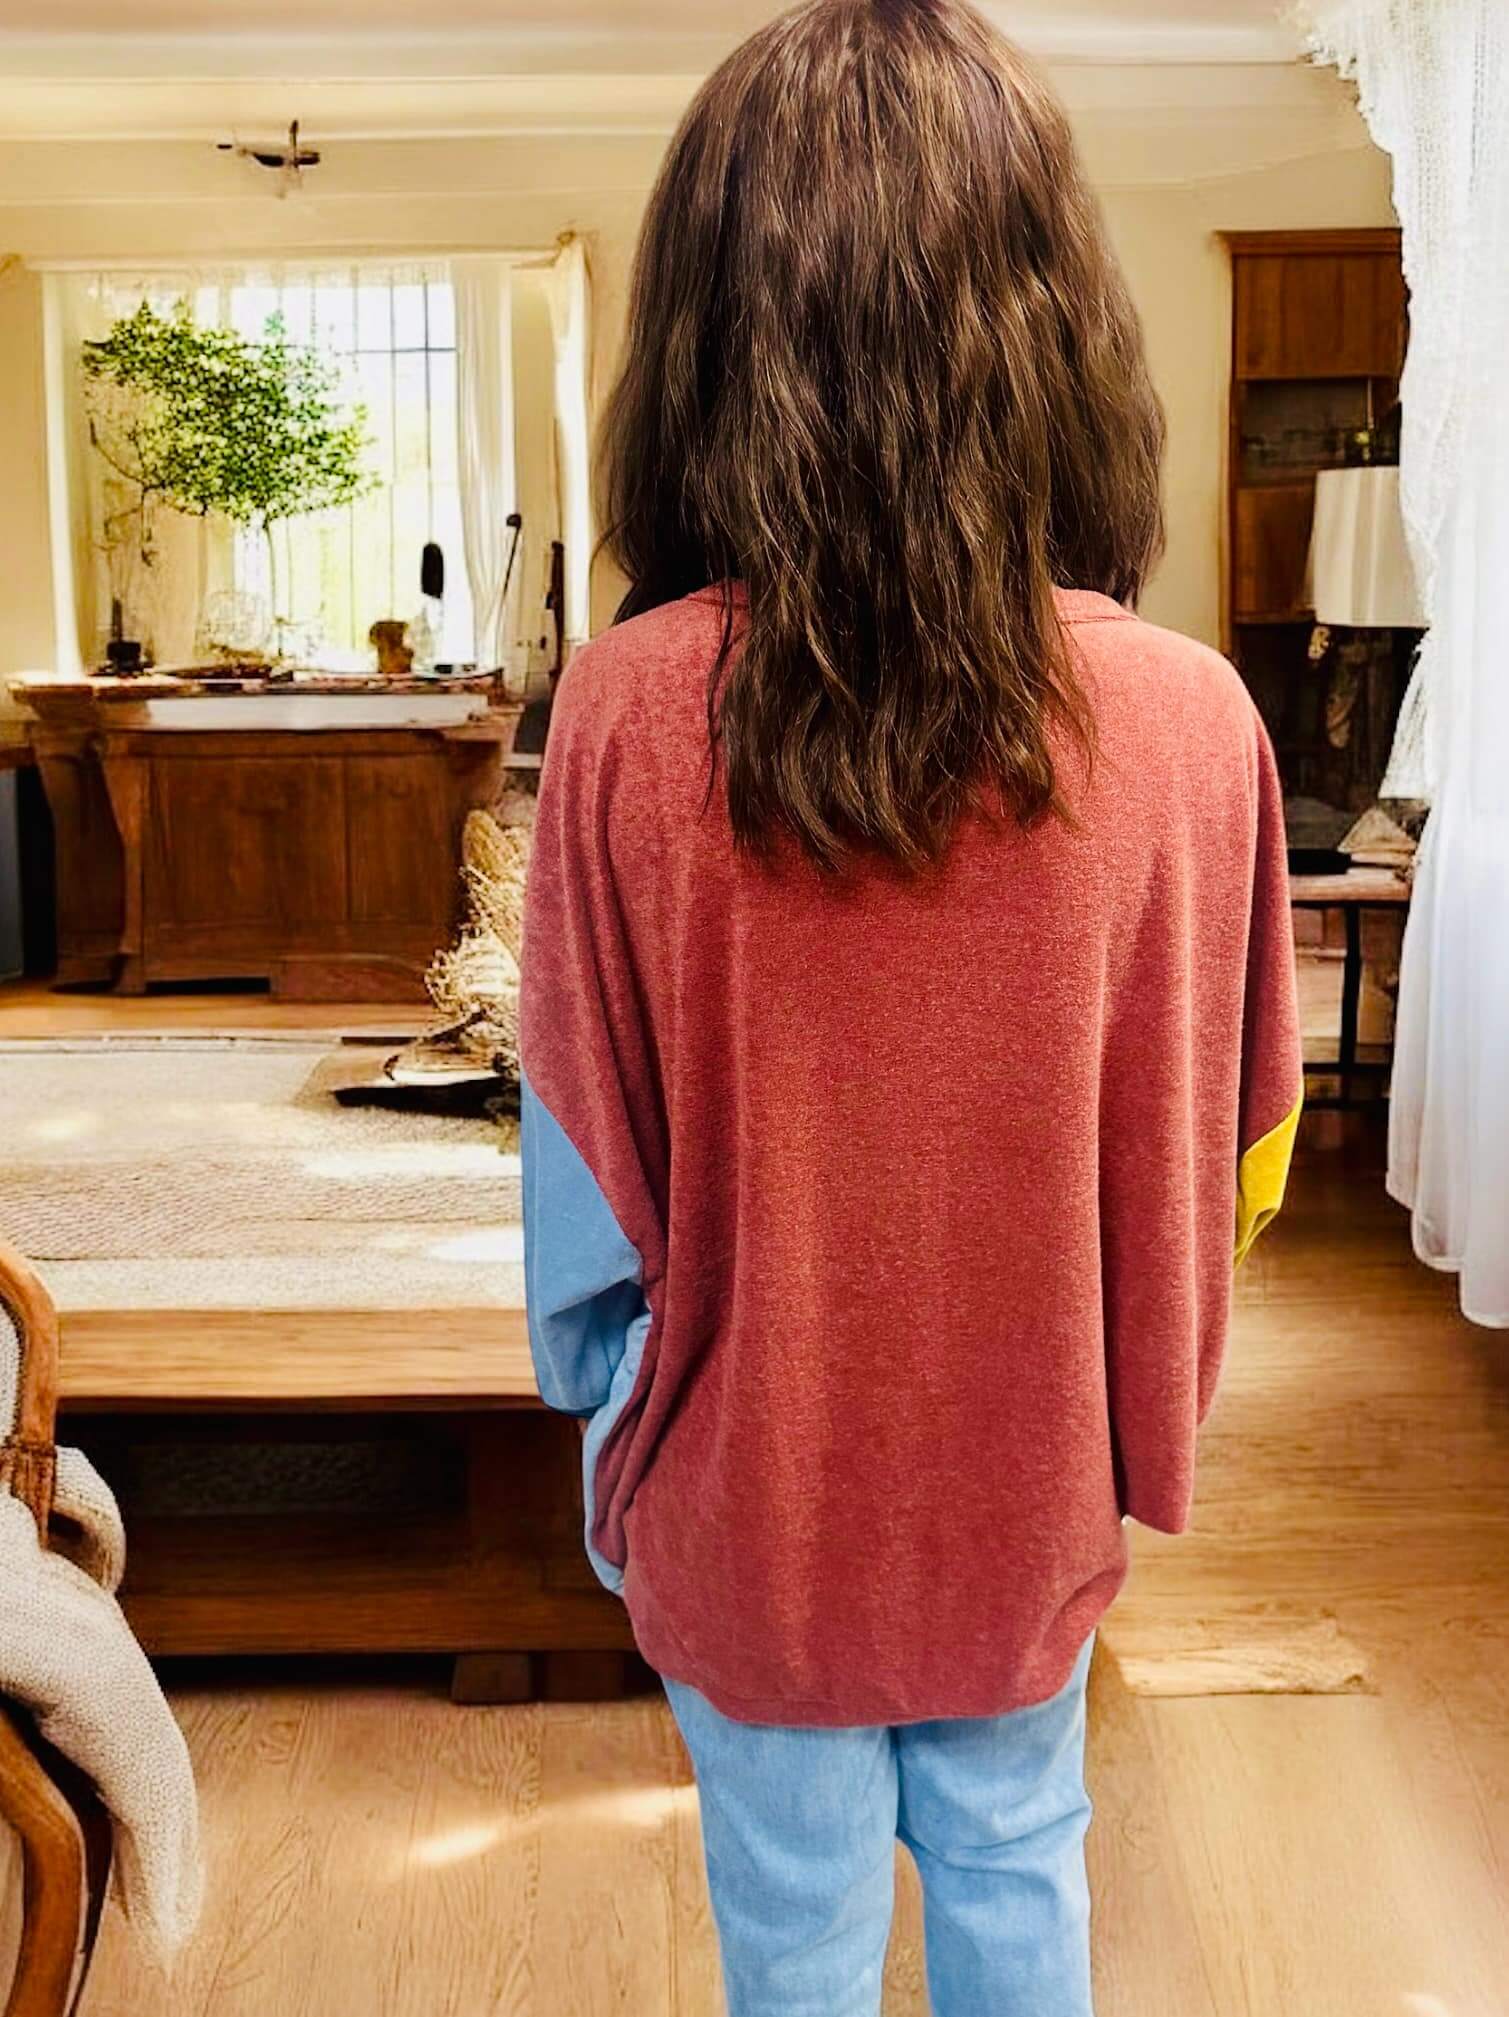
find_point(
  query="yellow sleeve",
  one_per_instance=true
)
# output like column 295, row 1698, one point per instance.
column 1262, row 1176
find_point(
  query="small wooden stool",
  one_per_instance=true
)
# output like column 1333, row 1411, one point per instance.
column 1359, row 889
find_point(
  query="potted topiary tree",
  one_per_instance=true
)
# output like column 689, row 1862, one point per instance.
column 210, row 422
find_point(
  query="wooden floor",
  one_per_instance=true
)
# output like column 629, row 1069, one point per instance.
column 376, row 1850
column 32, row 1008
column 1255, row 1854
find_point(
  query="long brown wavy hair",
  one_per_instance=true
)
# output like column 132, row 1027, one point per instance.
column 882, row 369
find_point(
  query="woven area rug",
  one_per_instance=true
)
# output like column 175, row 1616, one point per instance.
column 222, row 1174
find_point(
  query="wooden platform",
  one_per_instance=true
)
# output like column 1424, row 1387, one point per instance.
column 491, row 1574
column 496, row 1578
column 1357, row 885
column 194, row 1361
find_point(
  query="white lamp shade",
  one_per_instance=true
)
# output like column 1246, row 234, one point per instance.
column 1360, row 570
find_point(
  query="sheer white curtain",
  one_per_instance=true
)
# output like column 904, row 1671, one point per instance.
column 485, row 445
column 1433, row 77
column 494, row 482
column 571, row 324
column 90, row 569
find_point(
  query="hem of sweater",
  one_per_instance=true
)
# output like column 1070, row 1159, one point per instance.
column 1162, row 1512
column 1022, row 1685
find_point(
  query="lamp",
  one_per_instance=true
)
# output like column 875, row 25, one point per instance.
column 1361, row 574
column 1362, row 585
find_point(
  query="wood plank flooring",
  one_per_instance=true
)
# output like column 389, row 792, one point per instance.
column 32, row 1008
column 376, row 1850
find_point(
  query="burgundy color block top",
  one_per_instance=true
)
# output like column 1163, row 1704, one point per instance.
column 884, row 1225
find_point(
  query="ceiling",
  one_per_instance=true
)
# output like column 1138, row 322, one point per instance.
column 1162, row 90
column 115, row 109
column 468, row 37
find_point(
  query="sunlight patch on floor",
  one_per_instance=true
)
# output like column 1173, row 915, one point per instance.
column 488, row 1243
column 627, row 1808
column 409, row 1160
column 63, row 1127
column 456, row 1845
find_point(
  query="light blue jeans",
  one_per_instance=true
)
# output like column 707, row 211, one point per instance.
column 799, row 1828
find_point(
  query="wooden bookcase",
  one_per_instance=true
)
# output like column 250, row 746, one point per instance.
column 1318, row 332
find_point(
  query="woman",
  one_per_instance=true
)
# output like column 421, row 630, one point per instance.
column 909, row 1005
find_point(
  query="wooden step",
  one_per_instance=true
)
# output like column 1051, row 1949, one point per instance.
column 119, row 1361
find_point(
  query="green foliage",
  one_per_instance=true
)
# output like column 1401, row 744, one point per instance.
column 206, row 420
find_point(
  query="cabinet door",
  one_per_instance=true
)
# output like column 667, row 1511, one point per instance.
column 1319, row 315
column 403, row 839
column 245, row 844
column 1271, row 551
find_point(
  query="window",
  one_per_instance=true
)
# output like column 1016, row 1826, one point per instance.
column 496, row 473
column 393, row 338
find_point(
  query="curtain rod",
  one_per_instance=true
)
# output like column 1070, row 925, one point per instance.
column 201, row 262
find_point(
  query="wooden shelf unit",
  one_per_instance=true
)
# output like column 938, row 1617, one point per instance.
column 1318, row 334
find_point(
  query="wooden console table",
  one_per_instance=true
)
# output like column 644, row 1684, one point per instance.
column 323, row 861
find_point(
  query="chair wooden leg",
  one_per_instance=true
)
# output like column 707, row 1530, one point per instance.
column 56, row 1898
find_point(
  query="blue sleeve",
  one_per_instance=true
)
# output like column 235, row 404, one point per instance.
column 582, row 1278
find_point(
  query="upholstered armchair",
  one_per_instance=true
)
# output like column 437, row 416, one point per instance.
column 55, row 1838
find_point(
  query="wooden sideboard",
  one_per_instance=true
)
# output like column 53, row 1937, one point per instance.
column 323, row 861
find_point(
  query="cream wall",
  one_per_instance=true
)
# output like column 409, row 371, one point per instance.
column 26, row 630
column 519, row 192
